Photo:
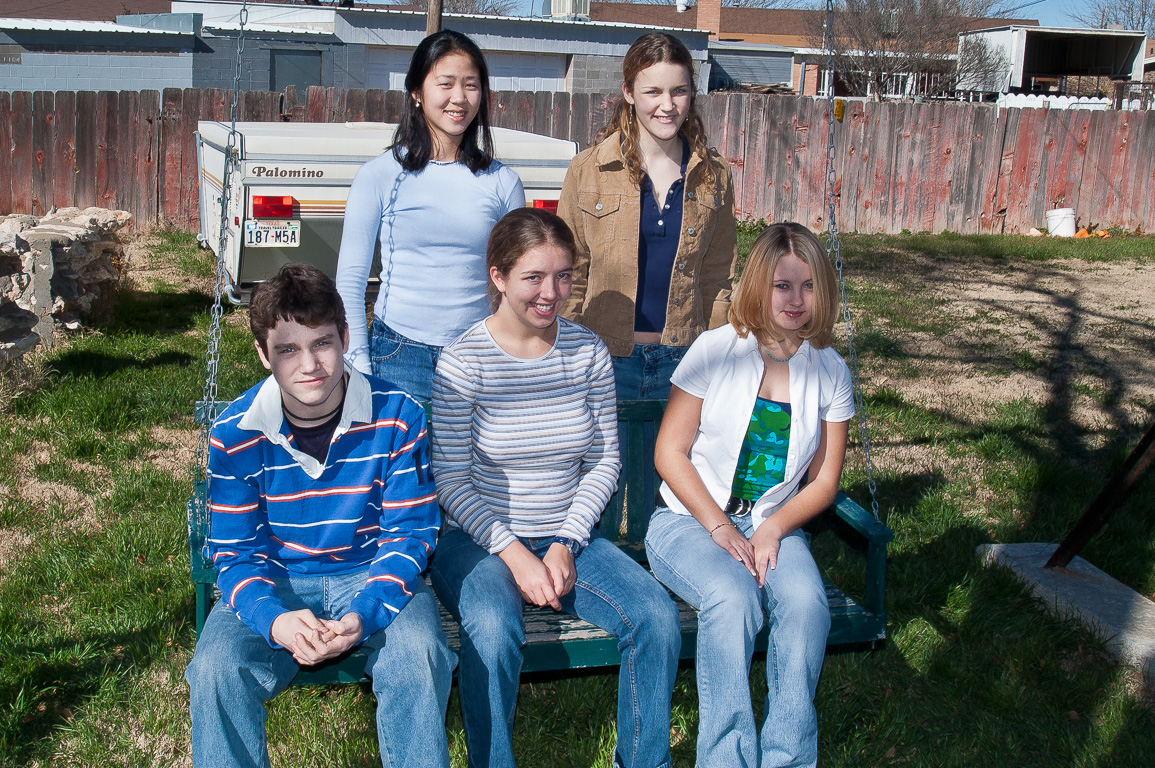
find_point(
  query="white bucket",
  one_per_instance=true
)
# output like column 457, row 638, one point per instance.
column 1061, row 222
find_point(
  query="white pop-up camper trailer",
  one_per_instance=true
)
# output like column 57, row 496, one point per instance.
column 286, row 201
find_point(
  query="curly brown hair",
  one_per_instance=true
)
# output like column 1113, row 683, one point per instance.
column 646, row 51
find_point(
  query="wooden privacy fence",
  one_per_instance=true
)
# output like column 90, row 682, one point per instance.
column 942, row 166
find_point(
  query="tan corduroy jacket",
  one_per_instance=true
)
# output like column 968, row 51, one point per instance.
column 602, row 206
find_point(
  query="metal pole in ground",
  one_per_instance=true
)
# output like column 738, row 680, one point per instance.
column 1112, row 495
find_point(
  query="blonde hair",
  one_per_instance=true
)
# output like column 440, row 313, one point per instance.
column 748, row 308
column 646, row 51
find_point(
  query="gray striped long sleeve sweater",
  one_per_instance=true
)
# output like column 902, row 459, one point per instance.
column 525, row 448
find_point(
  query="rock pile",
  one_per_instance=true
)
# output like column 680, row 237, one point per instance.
column 54, row 271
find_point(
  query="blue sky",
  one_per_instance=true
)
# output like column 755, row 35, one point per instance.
column 1050, row 13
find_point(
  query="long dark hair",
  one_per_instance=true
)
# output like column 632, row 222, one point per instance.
column 412, row 143
column 645, row 52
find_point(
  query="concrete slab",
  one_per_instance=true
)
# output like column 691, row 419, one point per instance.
column 1123, row 618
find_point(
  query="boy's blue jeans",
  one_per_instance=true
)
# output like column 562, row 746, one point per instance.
column 234, row 671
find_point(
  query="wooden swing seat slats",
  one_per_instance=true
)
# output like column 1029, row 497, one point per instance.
column 556, row 641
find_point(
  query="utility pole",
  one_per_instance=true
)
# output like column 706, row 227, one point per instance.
column 433, row 17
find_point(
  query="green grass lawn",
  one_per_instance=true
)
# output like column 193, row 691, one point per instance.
column 96, row 608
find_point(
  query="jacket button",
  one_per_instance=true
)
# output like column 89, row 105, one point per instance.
column 677, row 302
column 690, row 195
column 681, row 265
column 674, row 338
column 689, row 230
column 598, row 207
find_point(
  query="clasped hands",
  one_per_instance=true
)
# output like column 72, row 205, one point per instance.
column 312, row 640
column 542, row 581
column 757, row 553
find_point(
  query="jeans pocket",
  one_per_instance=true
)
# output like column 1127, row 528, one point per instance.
column 384, row 343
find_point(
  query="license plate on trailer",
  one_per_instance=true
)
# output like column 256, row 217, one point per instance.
column 272, row 234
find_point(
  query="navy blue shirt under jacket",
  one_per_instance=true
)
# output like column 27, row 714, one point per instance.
column 659, row 231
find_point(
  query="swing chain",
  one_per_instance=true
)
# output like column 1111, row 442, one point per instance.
column 834, row 250
column 212, row 355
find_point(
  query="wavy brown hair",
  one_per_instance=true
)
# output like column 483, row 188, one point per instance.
column 646, row 51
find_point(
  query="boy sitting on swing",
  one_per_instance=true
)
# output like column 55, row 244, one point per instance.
column 323, row 517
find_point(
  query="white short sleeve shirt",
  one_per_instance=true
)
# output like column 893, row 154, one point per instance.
column 725, row 370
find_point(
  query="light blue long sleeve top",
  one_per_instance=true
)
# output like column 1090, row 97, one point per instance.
column 432, row 227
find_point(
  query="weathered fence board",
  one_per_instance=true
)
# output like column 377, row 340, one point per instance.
column 944, row 166
column 561, row 114
column 171, row 144
column 757, row 164
column 127, row 192
column 187, row 213
column 148, row 147
column 855, row 153
column 63, row 177
column 23, row 149
column 394, row 106
column 106, row 128
column 7, row 148
column 44, row 112
column 375, row 106
column 84, row 137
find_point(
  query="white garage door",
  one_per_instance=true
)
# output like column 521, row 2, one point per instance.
column 385, row 67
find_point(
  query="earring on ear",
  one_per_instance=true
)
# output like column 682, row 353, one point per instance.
column 417, row 103
column 630, row 115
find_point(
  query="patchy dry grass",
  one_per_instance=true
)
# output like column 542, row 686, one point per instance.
column 1003, row 385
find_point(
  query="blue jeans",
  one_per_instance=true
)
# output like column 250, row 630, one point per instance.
column 730, row 614
column 612, row 592
column 402, row 361
column 646, row 373
column 234, row 671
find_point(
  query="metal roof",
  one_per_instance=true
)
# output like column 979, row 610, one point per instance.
column 189, row 6
column 56, row 25
column 1060, row 31
column 737, row 45
column 268, row 28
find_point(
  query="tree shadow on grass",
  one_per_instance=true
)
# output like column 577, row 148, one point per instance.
column 156, row 314
column 975, row 672
column 975, row 632
column 87, row 364
column 56, row 679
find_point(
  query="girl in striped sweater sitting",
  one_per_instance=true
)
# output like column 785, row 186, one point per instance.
column 525, row 455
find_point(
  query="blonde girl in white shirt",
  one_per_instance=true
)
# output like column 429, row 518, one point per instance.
column 757, row 407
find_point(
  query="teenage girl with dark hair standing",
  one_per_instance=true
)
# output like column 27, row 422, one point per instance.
column 652, row 210
column 430, row 203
